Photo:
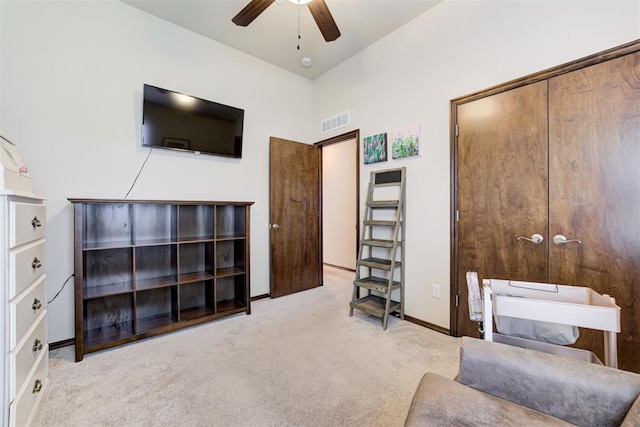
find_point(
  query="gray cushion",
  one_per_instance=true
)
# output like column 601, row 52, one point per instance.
column 440, row 401
column 578, row 392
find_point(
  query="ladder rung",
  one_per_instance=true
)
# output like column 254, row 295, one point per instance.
column 383, row 203
column 379, row 263
column 374, row 305
column 380, row 243
column 379, row 223
column 377, row 284
column 386, row 184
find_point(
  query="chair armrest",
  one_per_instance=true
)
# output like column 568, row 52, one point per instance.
column 633, row 416
column 578, row 392
column 440, row 401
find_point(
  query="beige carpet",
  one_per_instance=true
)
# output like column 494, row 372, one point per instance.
column 298, row 360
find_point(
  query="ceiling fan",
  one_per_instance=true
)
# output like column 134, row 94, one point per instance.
column 318, row 9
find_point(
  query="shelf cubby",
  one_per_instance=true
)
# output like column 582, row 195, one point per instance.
column 156, row 309
column 196, row 262
column 146, row 267
column 230, row 222
column 107, row 272
column 196, row 300
column 155, row 266
column 230, row 257
column 230, row 293
column 110, row 225
column 154, row 224
column 195, row 223
column 108, row 319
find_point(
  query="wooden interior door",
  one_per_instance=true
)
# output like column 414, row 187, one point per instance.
column 594, row 143
column 501, row 191
column 294, row 215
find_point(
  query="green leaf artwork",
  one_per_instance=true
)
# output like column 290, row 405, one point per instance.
column 375, row 148
column 406, row 142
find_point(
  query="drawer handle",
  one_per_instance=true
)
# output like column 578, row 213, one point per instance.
column 36, row 263
column 36, row 304
column 37, row 386
column 37, row 345
column 35, row 222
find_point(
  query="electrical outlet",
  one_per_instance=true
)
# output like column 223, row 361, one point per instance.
column 435, row 291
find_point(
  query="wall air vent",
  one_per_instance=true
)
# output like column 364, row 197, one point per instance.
column 334, row 122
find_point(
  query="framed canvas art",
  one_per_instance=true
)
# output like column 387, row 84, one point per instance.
column 406, row 142
column 375, row 148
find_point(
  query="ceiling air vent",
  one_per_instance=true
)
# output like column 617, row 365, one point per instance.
column 334, row 122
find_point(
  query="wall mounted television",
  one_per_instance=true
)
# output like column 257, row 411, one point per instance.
column 181, row 122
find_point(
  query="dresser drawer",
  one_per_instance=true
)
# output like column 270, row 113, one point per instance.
column 22, row 409
column 25, row 309
column 26, row 264
column 27, row 222
column 25, row 355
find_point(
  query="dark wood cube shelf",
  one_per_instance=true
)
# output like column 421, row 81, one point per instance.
column 147, row 267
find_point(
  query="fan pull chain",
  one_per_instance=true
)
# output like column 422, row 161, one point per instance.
column 298, row 7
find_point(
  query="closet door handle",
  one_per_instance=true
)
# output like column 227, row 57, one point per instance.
column 535, row 238
column 37, row 345
column 559, row 239
column 36, row 263
column 36, row 304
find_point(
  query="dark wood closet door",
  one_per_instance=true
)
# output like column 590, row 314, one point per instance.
column 594, row 150
column 502, row 190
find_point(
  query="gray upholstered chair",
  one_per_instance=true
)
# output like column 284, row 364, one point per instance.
column 502, row 385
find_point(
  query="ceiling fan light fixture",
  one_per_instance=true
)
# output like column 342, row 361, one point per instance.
column 300, row 1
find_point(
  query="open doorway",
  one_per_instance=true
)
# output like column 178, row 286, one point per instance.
column 340, row 200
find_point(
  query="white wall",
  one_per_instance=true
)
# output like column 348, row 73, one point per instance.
column 71, row 81
column 456, row 48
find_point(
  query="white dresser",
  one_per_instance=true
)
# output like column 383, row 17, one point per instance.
column 24, row 308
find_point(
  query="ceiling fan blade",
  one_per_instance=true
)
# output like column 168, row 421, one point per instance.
column 251, row 12
column 323, row 18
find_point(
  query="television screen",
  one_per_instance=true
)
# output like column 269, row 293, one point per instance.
column 182, row 122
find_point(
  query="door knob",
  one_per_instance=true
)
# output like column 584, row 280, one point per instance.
column 275, row 226
column 559, row 239
column 535, row 238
